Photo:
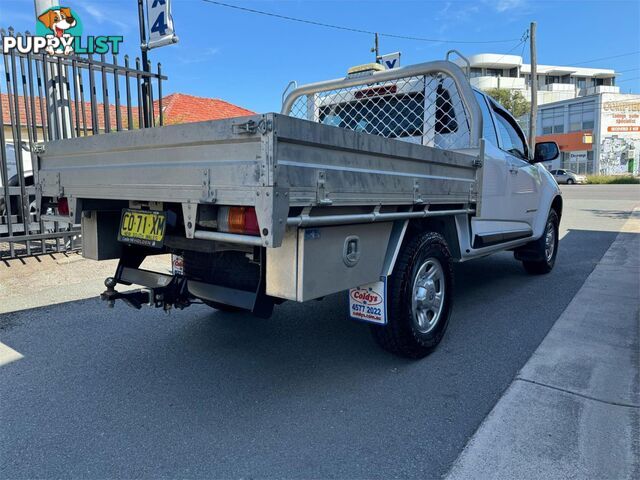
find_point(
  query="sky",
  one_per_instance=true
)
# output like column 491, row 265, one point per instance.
column 249, row 59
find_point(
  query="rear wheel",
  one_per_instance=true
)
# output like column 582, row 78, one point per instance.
column 570, row 181
column 419, row 299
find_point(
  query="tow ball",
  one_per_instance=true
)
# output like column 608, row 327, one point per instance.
column 174, row 294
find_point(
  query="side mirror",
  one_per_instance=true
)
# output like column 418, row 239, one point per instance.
column 545, row 152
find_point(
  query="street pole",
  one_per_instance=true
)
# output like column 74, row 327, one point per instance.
column 534, row 87
column 44, row 5
column 146, row 87
column 58, row 105
column 376, row 48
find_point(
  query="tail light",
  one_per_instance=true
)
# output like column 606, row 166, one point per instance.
column 63, row 206
column 238, row 220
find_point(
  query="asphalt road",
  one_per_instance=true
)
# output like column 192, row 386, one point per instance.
column 200, row 393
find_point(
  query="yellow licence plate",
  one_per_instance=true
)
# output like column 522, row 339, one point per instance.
column 142, row 227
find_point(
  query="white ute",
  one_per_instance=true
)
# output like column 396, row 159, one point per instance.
column 373, row 184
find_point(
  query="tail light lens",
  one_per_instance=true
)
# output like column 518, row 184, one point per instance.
column 63, row 206
column 238, row 220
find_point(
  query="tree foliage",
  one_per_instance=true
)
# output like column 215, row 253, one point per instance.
column 512, row 100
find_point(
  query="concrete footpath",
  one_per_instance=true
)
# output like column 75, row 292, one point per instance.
column 573, row 411
column 57, row 278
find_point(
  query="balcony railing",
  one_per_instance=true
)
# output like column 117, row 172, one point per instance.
column 560, row 87
column 487, row 82
column 603, row 89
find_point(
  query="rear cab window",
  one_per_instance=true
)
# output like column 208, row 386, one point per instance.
column 488, row 129
column 511, row 139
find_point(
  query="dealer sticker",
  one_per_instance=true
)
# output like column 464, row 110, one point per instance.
column 177, row 264
column 367, row 303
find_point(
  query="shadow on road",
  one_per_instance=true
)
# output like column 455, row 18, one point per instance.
column 615, row 214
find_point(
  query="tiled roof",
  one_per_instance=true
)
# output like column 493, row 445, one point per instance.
column 182, row 108
column 6, row 109
column 84, row 112
column 177, row 108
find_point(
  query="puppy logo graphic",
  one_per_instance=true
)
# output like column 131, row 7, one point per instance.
column 59, row 32
column 64, row 26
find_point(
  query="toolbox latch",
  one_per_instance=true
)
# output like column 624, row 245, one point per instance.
column 351, row 251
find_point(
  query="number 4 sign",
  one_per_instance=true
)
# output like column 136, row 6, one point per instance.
column 161, row 31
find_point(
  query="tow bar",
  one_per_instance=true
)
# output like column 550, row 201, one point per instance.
column 177, row 291
column 173, row 294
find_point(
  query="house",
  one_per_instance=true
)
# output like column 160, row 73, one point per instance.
column 183, row 108
column 176, row 108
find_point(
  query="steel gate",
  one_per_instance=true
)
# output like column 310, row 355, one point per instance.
column 43, row 98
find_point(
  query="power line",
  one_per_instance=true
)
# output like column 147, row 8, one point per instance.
column 351, row 29
column 524, row 45
column 523, row 41
column 628, row 70
column 604, row 58
column 628, row 79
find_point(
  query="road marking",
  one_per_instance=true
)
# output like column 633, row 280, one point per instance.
column 8, row 355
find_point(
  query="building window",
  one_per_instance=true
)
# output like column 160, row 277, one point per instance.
column 475, row 72
column 495, row 72
column 581, row 116
column 599, row 82
column 581, row 82
column 578, row 165
column 552, row 120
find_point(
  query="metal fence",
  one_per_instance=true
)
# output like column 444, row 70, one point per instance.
column 45, row 98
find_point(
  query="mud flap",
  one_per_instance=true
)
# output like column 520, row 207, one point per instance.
column 367, row 303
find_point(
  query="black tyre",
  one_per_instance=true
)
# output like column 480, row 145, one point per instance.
column 570, row 181
column 228, row 269
column 419, row 298
column 545, row 249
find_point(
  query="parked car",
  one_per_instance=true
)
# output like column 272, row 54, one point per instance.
column 12, row 168
column 568, row 177
column 12, row 172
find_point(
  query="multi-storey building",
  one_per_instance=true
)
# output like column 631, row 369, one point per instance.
column 596, row 127
column 491, row 70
